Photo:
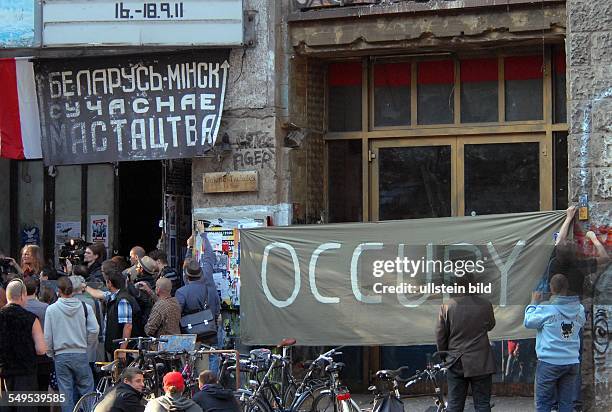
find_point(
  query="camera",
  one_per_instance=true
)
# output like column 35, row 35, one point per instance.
column 5, row 266
column 73, row 251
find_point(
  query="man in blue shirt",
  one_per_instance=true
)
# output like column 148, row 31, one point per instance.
column 558, row 323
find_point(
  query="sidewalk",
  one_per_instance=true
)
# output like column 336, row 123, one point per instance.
column 502, row 404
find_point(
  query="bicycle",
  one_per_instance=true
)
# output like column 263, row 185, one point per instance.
column 387, row 395
column 145, row 361
column 336, row 397
column 88, row 402
column 266, row 395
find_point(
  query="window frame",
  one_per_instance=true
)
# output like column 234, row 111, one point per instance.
column 500, row 131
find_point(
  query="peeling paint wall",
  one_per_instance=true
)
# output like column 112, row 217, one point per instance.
column 250, row 123
column 589, row 54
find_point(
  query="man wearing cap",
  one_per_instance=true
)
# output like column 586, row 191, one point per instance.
column 206, row 261
column 173, row 399
column 194, row 296
column 146, row 270
column 197, row 292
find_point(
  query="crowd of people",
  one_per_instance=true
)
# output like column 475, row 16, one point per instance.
column 51, row 334
column 54, row 325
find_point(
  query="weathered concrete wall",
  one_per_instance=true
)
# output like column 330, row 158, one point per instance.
column 589, row 54
column 383, row 28
column 250, row 121
column 30, row 197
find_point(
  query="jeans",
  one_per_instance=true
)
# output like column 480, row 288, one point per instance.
column 213, row 360
column 555, row 385
column 72, row 371
column 458, row 390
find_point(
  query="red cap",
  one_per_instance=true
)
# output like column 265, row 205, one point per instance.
column 174, row 379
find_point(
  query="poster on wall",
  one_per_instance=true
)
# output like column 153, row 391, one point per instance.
column 141, row 107
column 98, row 225
column 30, row 236
column 64, row 231
column 224, row 238
column 17, row 28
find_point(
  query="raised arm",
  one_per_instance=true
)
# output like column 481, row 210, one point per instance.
column 569, row 217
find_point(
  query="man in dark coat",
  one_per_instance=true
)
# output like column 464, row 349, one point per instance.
column 213, row 397
column 125, row 397
column 462, row 329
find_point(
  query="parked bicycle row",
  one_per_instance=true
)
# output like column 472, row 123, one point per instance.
column 262, row 381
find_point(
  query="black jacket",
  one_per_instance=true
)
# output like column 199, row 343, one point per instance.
column 94, row 272
column 462, row 330
column 122, row 398
column 216, row 398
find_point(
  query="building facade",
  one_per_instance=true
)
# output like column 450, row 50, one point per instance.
column 370, row 110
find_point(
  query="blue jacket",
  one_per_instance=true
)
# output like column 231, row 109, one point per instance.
column 558, row 323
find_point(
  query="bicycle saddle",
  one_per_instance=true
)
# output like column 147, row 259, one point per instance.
column 286, row 342
column 334, row 367
column 107, row 366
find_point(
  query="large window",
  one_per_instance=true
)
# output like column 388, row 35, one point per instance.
column 479, row 90
column 344, row 80
column 435, row 92
column 344, row 184
column 523, row 77
column 392, row 94
column 446, row 135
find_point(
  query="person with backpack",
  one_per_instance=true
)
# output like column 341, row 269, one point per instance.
column 70, row 327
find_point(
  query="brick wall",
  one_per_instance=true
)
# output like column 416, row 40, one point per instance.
column 308, row 161
column 589, row 54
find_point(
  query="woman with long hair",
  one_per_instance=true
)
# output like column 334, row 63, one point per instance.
column 31, row 261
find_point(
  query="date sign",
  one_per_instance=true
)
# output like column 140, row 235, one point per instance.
column 167, row 10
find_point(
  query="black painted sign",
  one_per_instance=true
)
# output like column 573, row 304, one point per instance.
column 122, row 108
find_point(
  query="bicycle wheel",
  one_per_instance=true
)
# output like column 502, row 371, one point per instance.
column 88, row 402
column 305, row 402
column 325, row 402
column 289, row 395
column 250, row 405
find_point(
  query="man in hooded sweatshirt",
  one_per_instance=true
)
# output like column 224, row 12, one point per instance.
column 70, row 325
column 558, row 323
column 213, row 397
column 173, row 399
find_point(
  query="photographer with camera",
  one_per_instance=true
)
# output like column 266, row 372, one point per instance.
column 79, row 252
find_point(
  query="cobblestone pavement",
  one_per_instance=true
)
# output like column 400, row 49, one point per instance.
column 501, row 403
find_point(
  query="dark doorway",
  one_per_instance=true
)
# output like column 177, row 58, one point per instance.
column 140, row 205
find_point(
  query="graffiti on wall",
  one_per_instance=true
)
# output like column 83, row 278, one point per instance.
column 255, row 149
column 601, row 342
